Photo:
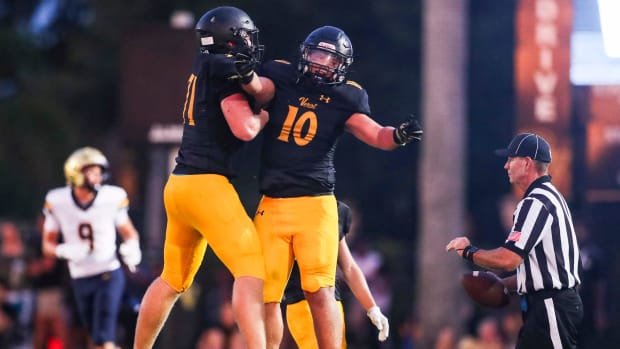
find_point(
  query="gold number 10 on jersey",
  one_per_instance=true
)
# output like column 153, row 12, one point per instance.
column 296, row 124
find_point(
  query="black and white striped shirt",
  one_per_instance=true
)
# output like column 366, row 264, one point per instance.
column 544, row 236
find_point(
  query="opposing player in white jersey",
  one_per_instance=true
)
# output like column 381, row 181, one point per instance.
column 88, row 214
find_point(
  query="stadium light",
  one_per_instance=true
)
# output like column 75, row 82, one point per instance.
column 610, row 26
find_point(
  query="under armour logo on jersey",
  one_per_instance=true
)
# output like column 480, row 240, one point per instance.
column 261, row 212
column 324, row 99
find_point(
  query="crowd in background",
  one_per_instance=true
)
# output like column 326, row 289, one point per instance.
column 37, row 309
column 37, row 306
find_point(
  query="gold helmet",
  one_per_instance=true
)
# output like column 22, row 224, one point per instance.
column 78, row 160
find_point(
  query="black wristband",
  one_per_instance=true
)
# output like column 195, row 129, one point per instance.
column 247, row 78
column 396, row 138
column 468, row 252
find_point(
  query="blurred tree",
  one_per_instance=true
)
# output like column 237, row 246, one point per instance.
column 443, row 170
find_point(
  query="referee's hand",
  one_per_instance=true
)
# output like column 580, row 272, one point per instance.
column 458, row 244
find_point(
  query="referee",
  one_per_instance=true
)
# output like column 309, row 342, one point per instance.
column 542, row 246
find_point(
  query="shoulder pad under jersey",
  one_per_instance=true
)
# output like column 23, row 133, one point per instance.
column 354, row 84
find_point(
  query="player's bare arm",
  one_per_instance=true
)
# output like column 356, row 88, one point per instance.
column 49, row 243
column 243, row 123
column 254, row 87
column 51, row 248
column 127, row 230
column 384, row 137
column 355, row 279
column 261, row 88
column 370, row 132
column 267, row 92
column 499, row 258
column 353, row 276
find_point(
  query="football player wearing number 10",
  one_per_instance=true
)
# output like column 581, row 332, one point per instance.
column 297, row 218
column 88, row 214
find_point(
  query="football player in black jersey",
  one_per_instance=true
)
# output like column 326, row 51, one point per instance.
column 298, row 316
column 202, row 207
column 297, row 218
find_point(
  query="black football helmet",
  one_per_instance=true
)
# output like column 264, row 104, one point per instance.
column 227, row 29
column 332, row 41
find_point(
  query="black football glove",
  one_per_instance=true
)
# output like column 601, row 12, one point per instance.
column 245, row 60
column 408, row 131
column 245, row 65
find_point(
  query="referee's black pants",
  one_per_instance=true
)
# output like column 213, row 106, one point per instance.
column 550, row 319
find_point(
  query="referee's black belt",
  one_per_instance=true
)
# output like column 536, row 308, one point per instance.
column 544, row 294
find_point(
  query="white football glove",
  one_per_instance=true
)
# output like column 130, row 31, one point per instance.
column 72, row 252
column 131, row 254
column 380, row 322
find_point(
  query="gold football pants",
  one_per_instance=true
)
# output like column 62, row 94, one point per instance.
column 303, row 229
column 205, row 209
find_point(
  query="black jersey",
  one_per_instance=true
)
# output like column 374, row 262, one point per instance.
column 305, row 122
column 293, row 292
column 208, row 144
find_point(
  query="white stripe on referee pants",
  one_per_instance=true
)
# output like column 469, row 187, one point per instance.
column 554, row 333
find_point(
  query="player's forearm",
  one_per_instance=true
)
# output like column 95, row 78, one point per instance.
column 266, row 92
column 386, row 138
column 356, row 281
column 379, row 137
column 49, row 250
column 254, row 87
column 128, row 231
column 243, row 123
column 370, row 132
column 48, row 244
column 261, row 89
